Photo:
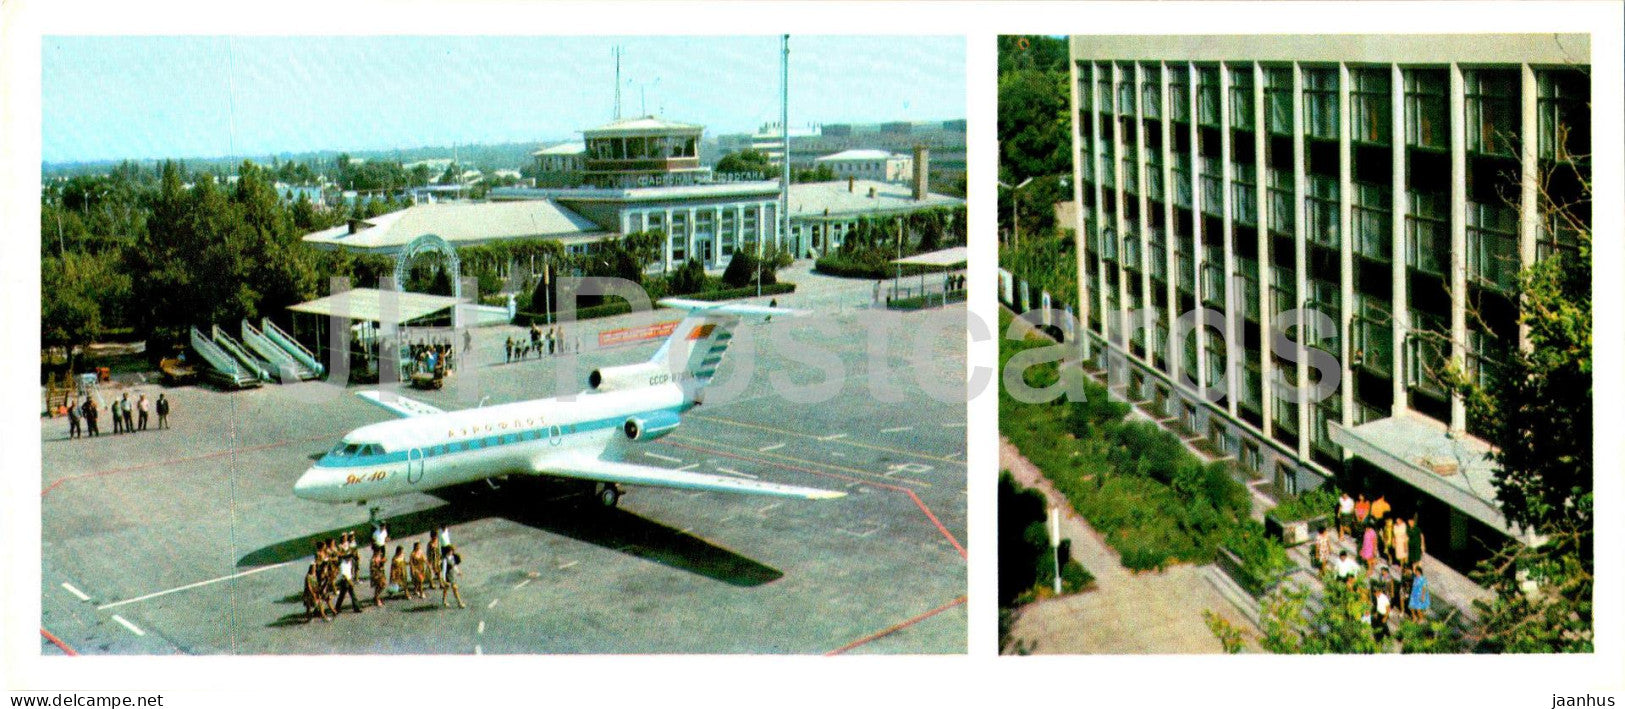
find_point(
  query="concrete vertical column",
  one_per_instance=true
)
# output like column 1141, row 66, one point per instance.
column 693, row 233
column 1400, row 305
column 1266, row 318
column 666, row 237
column 1176, row 350
column 1232, row 300
column 1345, row 238
column 1098, row 278
column 1300, row 188
column 1529, row 174
column 1198, row 255
column 761, row 229
column 1458, row 236
column 1120, row 222
column 716, row 235
column 1082, row 238
column 1148, row 333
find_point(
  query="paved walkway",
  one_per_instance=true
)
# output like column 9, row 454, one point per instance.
column 1128, row 612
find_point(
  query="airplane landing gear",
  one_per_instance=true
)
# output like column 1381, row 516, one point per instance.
column 608, row 495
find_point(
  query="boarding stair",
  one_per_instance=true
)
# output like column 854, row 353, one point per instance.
column 224, row 368
column 282, row 363
column 256, row 366
column 300, row 353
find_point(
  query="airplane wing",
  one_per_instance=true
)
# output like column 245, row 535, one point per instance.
column 609, row 471
column 399, row 405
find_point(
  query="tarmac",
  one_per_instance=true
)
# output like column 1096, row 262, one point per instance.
column 190, row 540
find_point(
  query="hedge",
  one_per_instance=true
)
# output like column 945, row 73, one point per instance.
column 835, row 265
column 621, row 307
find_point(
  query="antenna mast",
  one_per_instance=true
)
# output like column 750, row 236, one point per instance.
column 617, row 82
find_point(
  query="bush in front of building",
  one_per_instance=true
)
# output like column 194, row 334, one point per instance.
column 743, row 268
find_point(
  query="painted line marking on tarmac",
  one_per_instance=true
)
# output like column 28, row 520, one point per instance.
column 521, row 584
column 492, row 604
column 481, row 629
column 731, row 471
column 190, row 586
column 779, row 458
column 567, row 565
column 666, row 458
column 773, row 447
column 897, row 429
column 75, row 591
column 129, row 625
column 769, row 508
column 832, row 437
column 799, row 434
column 479, row 650
column 690, row 466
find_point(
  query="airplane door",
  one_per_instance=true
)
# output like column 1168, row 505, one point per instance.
column 414, row 465
column 556, row 435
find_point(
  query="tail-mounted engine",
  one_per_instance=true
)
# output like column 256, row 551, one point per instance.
column 647, row 427
column 630, row 376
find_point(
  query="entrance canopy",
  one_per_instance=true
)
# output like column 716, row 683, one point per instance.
column 373, row 305
column 1454, row 468
column 946, row 258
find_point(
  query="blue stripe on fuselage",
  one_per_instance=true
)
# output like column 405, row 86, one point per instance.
column 512, row 437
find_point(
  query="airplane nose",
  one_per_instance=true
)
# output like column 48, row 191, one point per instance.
column 307, row 484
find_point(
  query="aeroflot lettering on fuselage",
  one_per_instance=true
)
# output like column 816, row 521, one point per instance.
column 518, row 424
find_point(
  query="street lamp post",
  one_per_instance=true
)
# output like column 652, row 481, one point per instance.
column 1015, row 209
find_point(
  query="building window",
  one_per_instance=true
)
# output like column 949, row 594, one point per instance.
column 1179, row 94
column 1427, row 120
column 1212, row 187
column 1372, row 336
column 1320, row 211
column 1373, row 222
column 1186, row 261
column 1491, row 102
column 1492, row 245
column 1427, row 232
column 1320, row 103
column 1153, row 177
column 1323, row 297
column 747, row 227
column 1182, row 180
column 1131, row 172
column 1486, row 356
column 1131, row 255
column 1151, row 91
column 1282, row 215
column 1213, row 281
column 725, row 234
column 634, row 222
column 1125, row 93
column 1283, row 291
column 1244, row 193
column 1207, row 97
column 1159, row 254
column 1278, row 100
column 1241, row 96
column 1565, row 114
column 1427, row 351
column 1370, row 112
column 1108, row 245
column 657, row 222
column 1086, row 101
column 1103, row 88
column 1247, row 271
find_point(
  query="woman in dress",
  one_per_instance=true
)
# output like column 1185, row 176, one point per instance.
column 1368, row 549
column 1420, row 599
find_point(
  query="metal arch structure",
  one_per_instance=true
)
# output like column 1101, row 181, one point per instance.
column 426, row 243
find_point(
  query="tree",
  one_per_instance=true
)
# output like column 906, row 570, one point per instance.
column 688, row 278
column 1539, row 408
column 745, row 161
column 75, row 291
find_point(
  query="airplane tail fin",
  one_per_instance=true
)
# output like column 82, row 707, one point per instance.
column 697, row 345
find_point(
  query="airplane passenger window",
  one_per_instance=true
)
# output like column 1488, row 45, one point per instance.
column 352, row 449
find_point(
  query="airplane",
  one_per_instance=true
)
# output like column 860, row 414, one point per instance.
column 585, row 439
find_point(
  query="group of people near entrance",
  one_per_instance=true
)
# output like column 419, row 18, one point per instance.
column 432, row 355
column 550, row 341
column 1389, row 548
column 335, row 574
column 84, row 417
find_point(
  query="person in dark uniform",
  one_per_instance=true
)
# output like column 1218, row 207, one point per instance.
column 73, row 421
column 118, row 421
column 163, row 412
column 90, row 413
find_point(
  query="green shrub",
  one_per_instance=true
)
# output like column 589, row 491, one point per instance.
column 1306, row 505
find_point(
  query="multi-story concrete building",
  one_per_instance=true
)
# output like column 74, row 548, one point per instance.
column 1395, row 184
column 868, row 164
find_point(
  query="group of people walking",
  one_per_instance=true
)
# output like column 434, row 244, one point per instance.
column 1390, row 549
column 549, row 341
column 84, row 417
column 335, row 573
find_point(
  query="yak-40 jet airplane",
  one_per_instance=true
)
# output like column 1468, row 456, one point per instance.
column 585, row 438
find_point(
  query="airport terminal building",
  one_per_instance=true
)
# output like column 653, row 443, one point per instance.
column 1396, row 184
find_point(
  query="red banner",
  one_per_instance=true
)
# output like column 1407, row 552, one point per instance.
column 628, row 335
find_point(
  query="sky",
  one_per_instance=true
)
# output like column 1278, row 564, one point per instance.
column 111, row 98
